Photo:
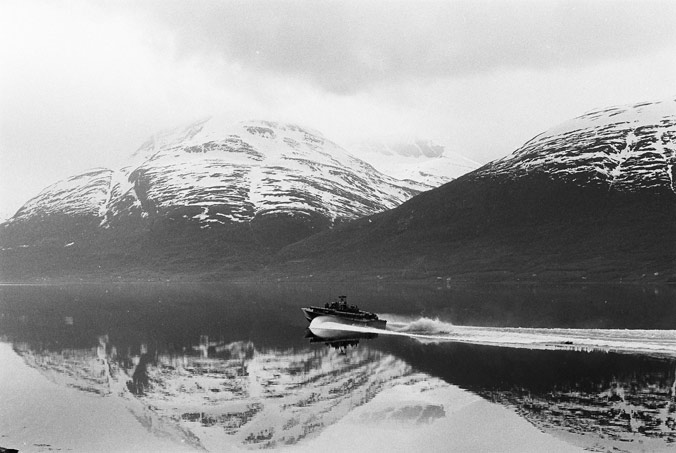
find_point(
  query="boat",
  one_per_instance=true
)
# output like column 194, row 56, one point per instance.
column 340, row 312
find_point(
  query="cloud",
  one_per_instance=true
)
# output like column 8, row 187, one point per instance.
column 349, row 46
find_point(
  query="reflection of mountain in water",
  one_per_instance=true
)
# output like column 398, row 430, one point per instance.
column 278, row 388
column 89, row 370
column 599, row 401
column 235, row 394
column 640, row 410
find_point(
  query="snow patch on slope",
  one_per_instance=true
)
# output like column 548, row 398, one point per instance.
column 80, row 195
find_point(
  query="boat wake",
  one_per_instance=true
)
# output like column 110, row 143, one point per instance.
column 427, row 330
column 420, row 326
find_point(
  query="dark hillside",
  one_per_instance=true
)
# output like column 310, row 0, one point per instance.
column 497, row 228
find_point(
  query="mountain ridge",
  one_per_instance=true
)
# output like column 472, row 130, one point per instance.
column 215, row 192
column 552, row 210
column 591, row 200
column 192, row 162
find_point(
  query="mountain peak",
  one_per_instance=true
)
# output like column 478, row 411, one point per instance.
column 627, row 148
column 642, row 113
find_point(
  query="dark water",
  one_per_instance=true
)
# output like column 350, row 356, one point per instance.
column 218, row 360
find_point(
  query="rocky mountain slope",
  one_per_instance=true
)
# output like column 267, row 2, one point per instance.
column 591, row 199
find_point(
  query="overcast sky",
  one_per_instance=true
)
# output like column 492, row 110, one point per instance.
column 83, row 83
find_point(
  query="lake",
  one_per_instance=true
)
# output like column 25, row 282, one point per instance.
column 215, row 367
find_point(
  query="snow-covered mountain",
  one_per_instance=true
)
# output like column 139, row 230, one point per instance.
column 213, row 172
column 626, row 148
column 591, row 198
column 417, row 160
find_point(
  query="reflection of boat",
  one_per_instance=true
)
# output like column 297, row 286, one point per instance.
column 338, row 339
column 341, row 312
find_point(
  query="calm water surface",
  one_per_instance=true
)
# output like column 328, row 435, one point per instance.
column 224, row 367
